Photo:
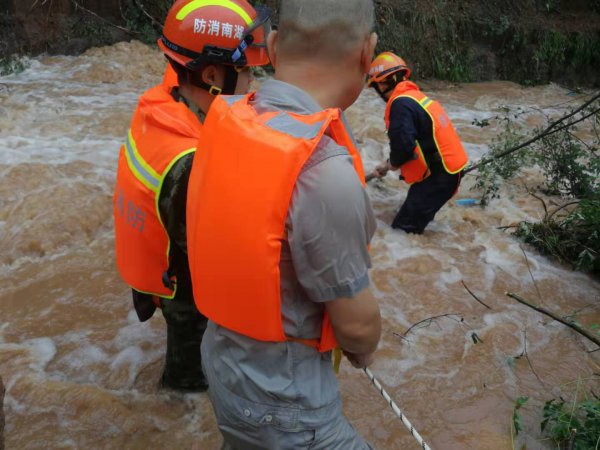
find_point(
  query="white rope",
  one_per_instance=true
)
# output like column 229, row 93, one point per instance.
column 396, row 409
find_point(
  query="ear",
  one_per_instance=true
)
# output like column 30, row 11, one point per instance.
column 272, row 47
column 210, row 75
column 368, row 51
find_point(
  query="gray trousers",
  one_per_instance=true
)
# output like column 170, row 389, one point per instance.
column 247, row 425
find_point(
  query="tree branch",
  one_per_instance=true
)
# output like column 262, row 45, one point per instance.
column 158, row 26
column 562, row 207
column 549, row 130
column 126, row 30
column 473, row 295
column 571, row 325
column 430, row 319
column 530, row 274
column 524, row 353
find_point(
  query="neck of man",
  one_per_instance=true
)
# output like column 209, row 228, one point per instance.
column 197, row 100
column 328, row 86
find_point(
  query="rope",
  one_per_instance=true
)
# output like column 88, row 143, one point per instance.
column 396, row 410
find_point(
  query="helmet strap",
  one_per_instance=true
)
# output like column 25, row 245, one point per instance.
column 195, row 79
column 381, row 93
column 231, row 80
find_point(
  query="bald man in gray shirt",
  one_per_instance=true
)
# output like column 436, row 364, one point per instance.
column 284, row 395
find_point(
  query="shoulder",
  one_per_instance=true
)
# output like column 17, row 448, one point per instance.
column 404, row 102
column 158, row 93
column 329, row 182
column 326, row 148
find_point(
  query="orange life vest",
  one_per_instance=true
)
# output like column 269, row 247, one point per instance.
column 238, row 198
column 447, row 143
column 162, row 131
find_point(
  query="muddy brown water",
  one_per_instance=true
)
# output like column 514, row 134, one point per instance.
column 82, row 372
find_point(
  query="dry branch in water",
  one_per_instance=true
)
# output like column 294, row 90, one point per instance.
column 551, row 129
column 524, row 354
column 555, row 317
column 430, row 319
column 473, row 295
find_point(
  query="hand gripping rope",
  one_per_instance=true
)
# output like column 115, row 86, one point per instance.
column 396, row 409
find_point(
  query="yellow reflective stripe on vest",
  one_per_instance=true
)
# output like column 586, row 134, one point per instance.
column 425, row 102
column 197, row 4
column 140, row 168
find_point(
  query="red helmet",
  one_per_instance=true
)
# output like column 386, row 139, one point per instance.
column 384, row 65
column 230, row 32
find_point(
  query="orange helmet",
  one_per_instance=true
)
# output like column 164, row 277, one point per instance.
column 231, row 32
column 384, row 65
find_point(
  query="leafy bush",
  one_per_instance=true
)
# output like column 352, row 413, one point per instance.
column 573, row 239
column 574, row 426
column 146, row 18
column 491, row 176
column 571, row 168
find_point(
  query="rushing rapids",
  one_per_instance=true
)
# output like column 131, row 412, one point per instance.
column 81, row 371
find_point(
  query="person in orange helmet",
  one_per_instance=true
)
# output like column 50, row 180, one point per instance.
column 210, row 47
column 423, row 144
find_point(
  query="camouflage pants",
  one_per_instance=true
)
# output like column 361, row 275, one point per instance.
column 185, row 328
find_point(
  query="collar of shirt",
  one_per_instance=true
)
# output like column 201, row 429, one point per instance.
column 275, row 95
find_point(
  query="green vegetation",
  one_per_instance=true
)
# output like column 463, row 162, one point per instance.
column 12, row 64
column 552, row 48
column 91, row 28
column 457, row 41
column 573, row 238
column 570, row 424
column 490, row 177
column 517, row 420
column 557, row 51
column 575, row 426
column 145, row 19
column 571, row 169
column 442, row 52
column 438, row 41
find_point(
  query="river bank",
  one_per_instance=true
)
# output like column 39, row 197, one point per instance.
column 528, row 42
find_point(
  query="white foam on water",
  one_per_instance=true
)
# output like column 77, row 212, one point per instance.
column 476, row 151
column 451, row 276
column 32, row 356
column 42, row 351
column 132, row 358
column 66, row 110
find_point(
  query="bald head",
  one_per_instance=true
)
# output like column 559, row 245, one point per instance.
column 323, row 28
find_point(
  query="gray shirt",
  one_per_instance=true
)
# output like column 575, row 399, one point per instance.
column 329, row 226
